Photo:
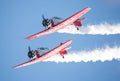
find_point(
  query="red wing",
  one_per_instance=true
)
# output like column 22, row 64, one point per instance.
column 46, row 55
column 42, row 33
column 60, row 25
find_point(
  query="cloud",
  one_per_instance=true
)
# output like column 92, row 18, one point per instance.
column 102, row 29
column 103, row 54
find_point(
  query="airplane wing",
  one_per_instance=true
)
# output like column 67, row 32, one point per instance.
column 60, row 25
column 46, row 55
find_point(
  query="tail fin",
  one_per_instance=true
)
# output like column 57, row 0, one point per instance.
column 78, row 22
column 64, row 51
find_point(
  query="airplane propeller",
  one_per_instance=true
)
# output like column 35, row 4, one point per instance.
column 43, row 17
column 30, row 53
column 29, row 49
column 45, row 21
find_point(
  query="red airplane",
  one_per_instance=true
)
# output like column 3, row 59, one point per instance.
column 35, row 56
column 52, row 27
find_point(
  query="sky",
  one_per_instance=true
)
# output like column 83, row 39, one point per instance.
column 21, row 18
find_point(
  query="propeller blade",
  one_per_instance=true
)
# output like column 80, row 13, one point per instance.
column 43, row 17
column 29, row 49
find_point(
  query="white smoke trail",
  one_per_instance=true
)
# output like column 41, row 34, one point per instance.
column 104, row 54
column 103, row 29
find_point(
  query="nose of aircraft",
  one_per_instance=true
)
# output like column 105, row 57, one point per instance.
column 31, row 53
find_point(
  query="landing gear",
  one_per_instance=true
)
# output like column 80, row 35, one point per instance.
column 63, row 57
column 77, row 28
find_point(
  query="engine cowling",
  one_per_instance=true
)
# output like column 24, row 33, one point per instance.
column 31, row 54
column 46, row 22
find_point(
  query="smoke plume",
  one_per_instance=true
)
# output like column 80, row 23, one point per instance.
column 103, row 54
column 102, row 29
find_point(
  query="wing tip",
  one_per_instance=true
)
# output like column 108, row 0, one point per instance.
column 26, row 38
column 32, row 37
column 14, row 67
column 70, row 40
column 29, row 38
column 88, row 8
